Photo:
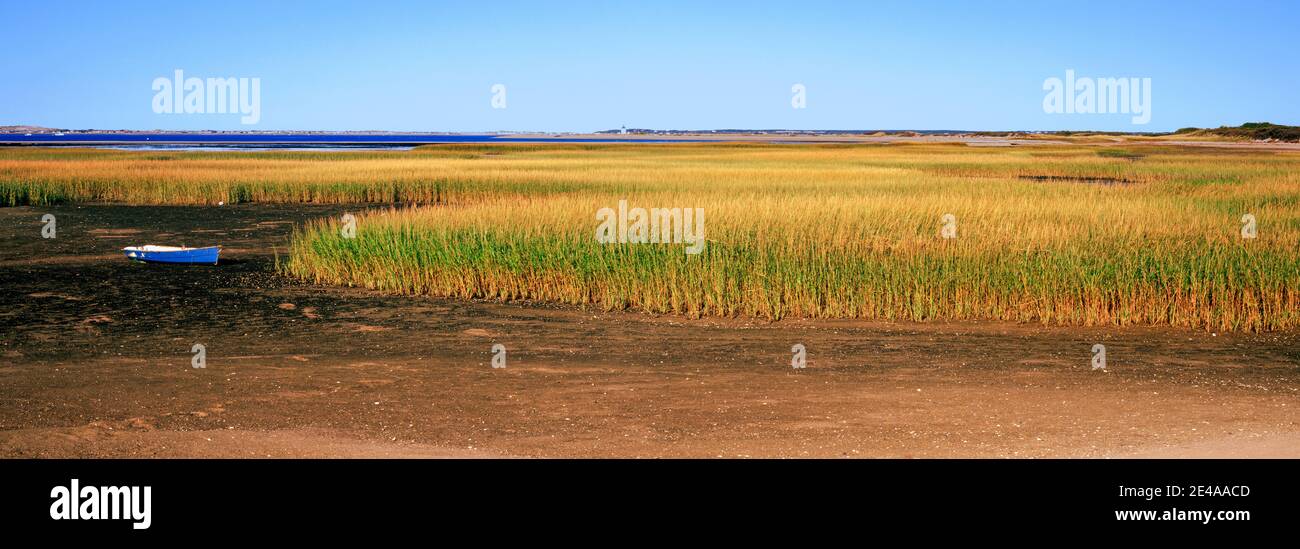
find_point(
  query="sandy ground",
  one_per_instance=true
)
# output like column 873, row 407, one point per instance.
column 95, row 361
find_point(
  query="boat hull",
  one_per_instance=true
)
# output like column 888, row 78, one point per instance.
column 187, row 256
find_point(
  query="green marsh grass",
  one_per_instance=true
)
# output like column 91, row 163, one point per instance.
column 1068, row 235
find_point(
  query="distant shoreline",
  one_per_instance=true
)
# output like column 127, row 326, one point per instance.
column 389, row 139
column 1248, row 133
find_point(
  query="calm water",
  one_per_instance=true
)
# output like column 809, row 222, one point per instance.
column 315, row 142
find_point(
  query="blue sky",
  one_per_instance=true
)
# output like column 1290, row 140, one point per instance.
column 579, row 66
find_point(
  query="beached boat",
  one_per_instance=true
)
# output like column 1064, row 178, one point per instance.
column 173, row 254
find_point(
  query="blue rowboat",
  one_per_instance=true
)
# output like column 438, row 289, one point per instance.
column 172, row 254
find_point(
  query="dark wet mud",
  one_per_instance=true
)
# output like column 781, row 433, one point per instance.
column 95, row 360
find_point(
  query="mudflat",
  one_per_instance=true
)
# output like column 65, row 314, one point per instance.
column 96, row 361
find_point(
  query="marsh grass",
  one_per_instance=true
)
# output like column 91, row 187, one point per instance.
column 807, row 231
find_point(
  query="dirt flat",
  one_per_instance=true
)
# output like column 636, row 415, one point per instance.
column 95, row 361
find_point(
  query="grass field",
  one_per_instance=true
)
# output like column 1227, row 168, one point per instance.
column 1073, row 235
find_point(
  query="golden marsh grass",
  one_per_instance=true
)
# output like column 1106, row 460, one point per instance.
column 1072, row 235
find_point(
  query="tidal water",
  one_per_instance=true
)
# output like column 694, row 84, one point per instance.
column 264, row 141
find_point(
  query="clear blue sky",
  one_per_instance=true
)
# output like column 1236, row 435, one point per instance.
column 579, row 66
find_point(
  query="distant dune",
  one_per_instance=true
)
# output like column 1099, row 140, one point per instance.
column 1253, row 131
column 26, row 129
